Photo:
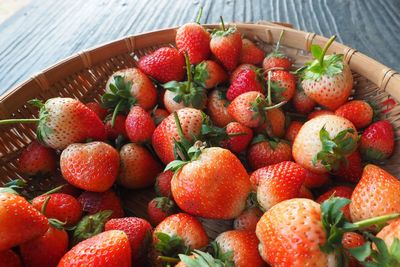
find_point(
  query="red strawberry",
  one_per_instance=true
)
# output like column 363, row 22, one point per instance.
column 139, row 234
column 46, row 250
column 277, row 59
column 226, row 46
column 352, row 170
column 165, row 133
column 250, row 53
column 248, row 219
column 160, row 208
column 93, row 203
column 327, row 80
column 239, row 69
column 293, row 130
column 9, row 258
column 98, row 109
column 359, row 112
column 263, row 152
column 110, row 248
column 274, row 126
column 163, row 184
column 241, row 109
column 376, row 194
column 62, row 207
column 37, row 159
column 271, row 178
column 165, row 64
column 338, row 191
column 19, row 221
column 283, row 85
column 139, row 125
column 314, row 180
column 159, row 115
column 305, row 193
column 244, row 246
column 320, row 112
column 216, row 168
column 209, row 74
column 377, row 141
column 301, row 102
column 92, row 166
column 118, row 129
column 138, row 167
column 240, row 142
column 352, row 240
column 217, row 108
column 245, row 81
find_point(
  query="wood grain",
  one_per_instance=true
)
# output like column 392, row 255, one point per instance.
column 47, row 31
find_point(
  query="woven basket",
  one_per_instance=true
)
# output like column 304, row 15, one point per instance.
column 84, row 75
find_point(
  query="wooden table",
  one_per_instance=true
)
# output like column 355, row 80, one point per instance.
column 47, row 31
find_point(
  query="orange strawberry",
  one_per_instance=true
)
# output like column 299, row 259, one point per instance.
column 160, row 208
column 92, row 166
column 338, row 191
column 352, row 240
column 226, row 46
column 324, row 142
column 209, row 74
column 351, row 169
column 162, row 185
column 165, row 64
column 301, row 102
column 37, row 159
column 314, row 180
column 110, row 248
column 139, row 125
column 248, row 219
column 245, row 81
column 389, row 234
column 239, row 142
column 250, row 53
column 320, row 112
column 277, row 59
column 118, row 129
column 244, row 109
column 274, row 126
column 93, row 203
column 158, row 115
column 327, row 80
column 376, row 194
column 243, row 245
column 359, row 112
column 98, row 109
column 293, row 130
column 217, row 108
column 9, row 258
column 278, row 182
column 283, row 85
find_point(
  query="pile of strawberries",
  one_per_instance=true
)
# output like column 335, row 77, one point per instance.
column 222, row 132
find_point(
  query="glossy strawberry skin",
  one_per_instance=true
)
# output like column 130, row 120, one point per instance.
column 359, row 112
column 352, row 240
column 245, row 81
column 158, row 209
column 8, row 258
column 210, row 74
column 98, row 109
column 227, row 49
column 240, row 109
column 250, row 53
column 46, row 250
column 239, row 69
column 338, row 191
column 217, row 108
column 95, row 202
column 162, row 185
column 377, row 141
column 62, row 207
column 352, row 171
column 37, row 159
column 195, row 40
column 263, row 154
column 286, row 82
column 110, row 248
column 238, row 143
column 274, row 125
column 118, row 129
column 92, row 166
column 302, row 103
column 248, row 219
column 165, row 64
column 139, row 125
column 272, row 61
column 293, row 130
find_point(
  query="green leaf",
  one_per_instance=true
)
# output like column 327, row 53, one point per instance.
column 90, row 225
column 221, row 33
column 316, row 51
column 201, row 74
column 170, row 245
column 361, row 253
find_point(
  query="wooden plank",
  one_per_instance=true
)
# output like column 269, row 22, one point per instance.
column 46, row 31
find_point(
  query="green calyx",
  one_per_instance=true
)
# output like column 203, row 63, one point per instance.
column 90, row 225
column 119, row 97
column 170, row 246
column 192, row 154
column 165, row 204
column 201, row 74
column 334, row 150
column 13, row 186
column 373, row 154
column 223, row 31
column 330, row 65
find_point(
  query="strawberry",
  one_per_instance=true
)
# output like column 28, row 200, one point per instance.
column 62, row 207
column 293, row 130
column 239, row 137
column 160, row 208
column 118, row 129
column 110, row 248
column 320, row 112
column 352, row 240
column 46, row 250
column 271, row 178
column 324, row 142
column 277, row 59
column 274, row 126
column 376, row 194
column 92, row 166
column 139, row 233
column 139, row 125
column 239, row 69
column 165, row 64
column 377, row 141
column 93, row 203
column 283, row 85
column 158, row 115
column 359, row 112
column 338, row 191
column 388, row 247
column 226, row 46
column 305, row 193
column 164, row 135
column 9, row 258
column 200, row 258
column 243, row 245
column 244, row 109
column 193, row 39
column 64, row 121
column 301, row 102
column 37, row 159
column 208, row 168
column 245, row 81
column 351, row 169
column 314, row 180
column 19, row 221
column 263, row 152
column 98, row 109
column 250, row 53
column 162, row 185
column 327, row 80
column 90, row 225
column 209, row 74
column 248, row 219
column 217, row 108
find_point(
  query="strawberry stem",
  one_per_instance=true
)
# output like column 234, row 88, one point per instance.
column 373, row 221
column 280, row 104
column 44, row 206
column 54, row 190
column 115, row 112
column 222, row 23
column 327, row 45
column 11, row 121
column 199, row 15
column 269, row 100
column 167, row 259
column 278, row 44
column 188, row 71
column 178, row 126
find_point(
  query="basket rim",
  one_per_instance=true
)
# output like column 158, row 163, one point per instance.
column 384, row 77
